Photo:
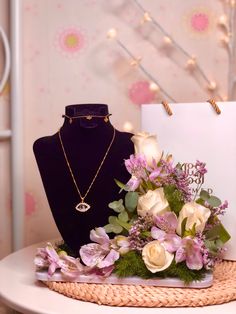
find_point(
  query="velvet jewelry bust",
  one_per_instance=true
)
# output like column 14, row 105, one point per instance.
column 78, row 165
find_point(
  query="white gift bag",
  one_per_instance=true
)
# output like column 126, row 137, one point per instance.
column 196, row 131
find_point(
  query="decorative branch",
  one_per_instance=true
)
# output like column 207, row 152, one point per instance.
column 154, row 85
column 191, row 62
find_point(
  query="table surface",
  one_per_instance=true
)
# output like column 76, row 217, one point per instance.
column 20, row 291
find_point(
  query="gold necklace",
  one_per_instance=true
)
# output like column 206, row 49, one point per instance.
column 82, row 206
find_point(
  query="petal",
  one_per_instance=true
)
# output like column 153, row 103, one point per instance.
column 172, row 242
column 52, row 268
column 99, row 235
column 109, row 259
column 52, row 254
column 133, row 184
column 167, row 221
column 154, row 174
column 180, row 255
column 194, row 261
column 92, row 253
column 158, row 234
column 40, row 262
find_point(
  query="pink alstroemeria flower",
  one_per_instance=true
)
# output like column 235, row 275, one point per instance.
column 167, row 224
column 68, row 265
column 191, row 252
column 136, row 166
column 171, row 241
column 48, row 257
column 98, row 254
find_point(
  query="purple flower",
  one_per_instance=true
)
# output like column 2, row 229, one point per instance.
column 167, row 222
column 48, row 257
column 201, row 168
column 171, row 241
column 190, row 251
column 136, row 166
column 98, row 254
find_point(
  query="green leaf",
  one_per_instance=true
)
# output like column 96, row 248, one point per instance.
column 123, row 224
column 108, row 228
column 113, row 228
column 131, row 201
column 113, row 220
column 218, row 232
column 117, row 206
column 213, row 246
column 121, row 185
column 204, row 195
column 200, row 201
column 174, row 198
column 214, row 201
column 183, row 225
column 123, row 216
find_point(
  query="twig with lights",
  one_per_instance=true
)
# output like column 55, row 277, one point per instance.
column 227, row 25
column 169, row 40
column 154, row 85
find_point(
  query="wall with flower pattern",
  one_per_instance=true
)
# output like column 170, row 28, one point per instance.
column 67, row 59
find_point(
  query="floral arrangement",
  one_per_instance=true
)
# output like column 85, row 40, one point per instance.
column 161, row 229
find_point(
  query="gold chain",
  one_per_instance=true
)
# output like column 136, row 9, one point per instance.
column 97, row 172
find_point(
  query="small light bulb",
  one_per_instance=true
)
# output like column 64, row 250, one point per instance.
column 191, row 63
column 128, row 126
column 232, row 3
column 167, row 41
column 223, row 20
column 225, row 98
column 154, row 87
column 146, row 18
column 212, row 86
column 112, row 33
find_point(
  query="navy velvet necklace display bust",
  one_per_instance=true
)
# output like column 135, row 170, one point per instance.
column 85, row 142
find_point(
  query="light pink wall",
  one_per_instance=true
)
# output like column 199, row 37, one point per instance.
column 68, row 59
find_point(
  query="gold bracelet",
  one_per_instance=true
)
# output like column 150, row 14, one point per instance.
column 88, row 117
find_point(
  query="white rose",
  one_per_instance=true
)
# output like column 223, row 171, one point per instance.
column 146, row 144
column 155, row 257
column 152, row 203
column 196, row 214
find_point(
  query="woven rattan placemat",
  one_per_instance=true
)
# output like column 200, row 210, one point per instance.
column 223, row 290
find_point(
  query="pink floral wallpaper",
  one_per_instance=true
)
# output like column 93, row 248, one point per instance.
column 68, row 59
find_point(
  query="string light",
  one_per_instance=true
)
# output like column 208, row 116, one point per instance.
column 232, row 3
column 167, row 40
column 128, row 126
column 154, row 87
column 112, row 33
column 191, row 63
column 223, row 20
column 146, row 18
column 212, row 86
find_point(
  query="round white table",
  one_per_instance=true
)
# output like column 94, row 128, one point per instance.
column 20, row 291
